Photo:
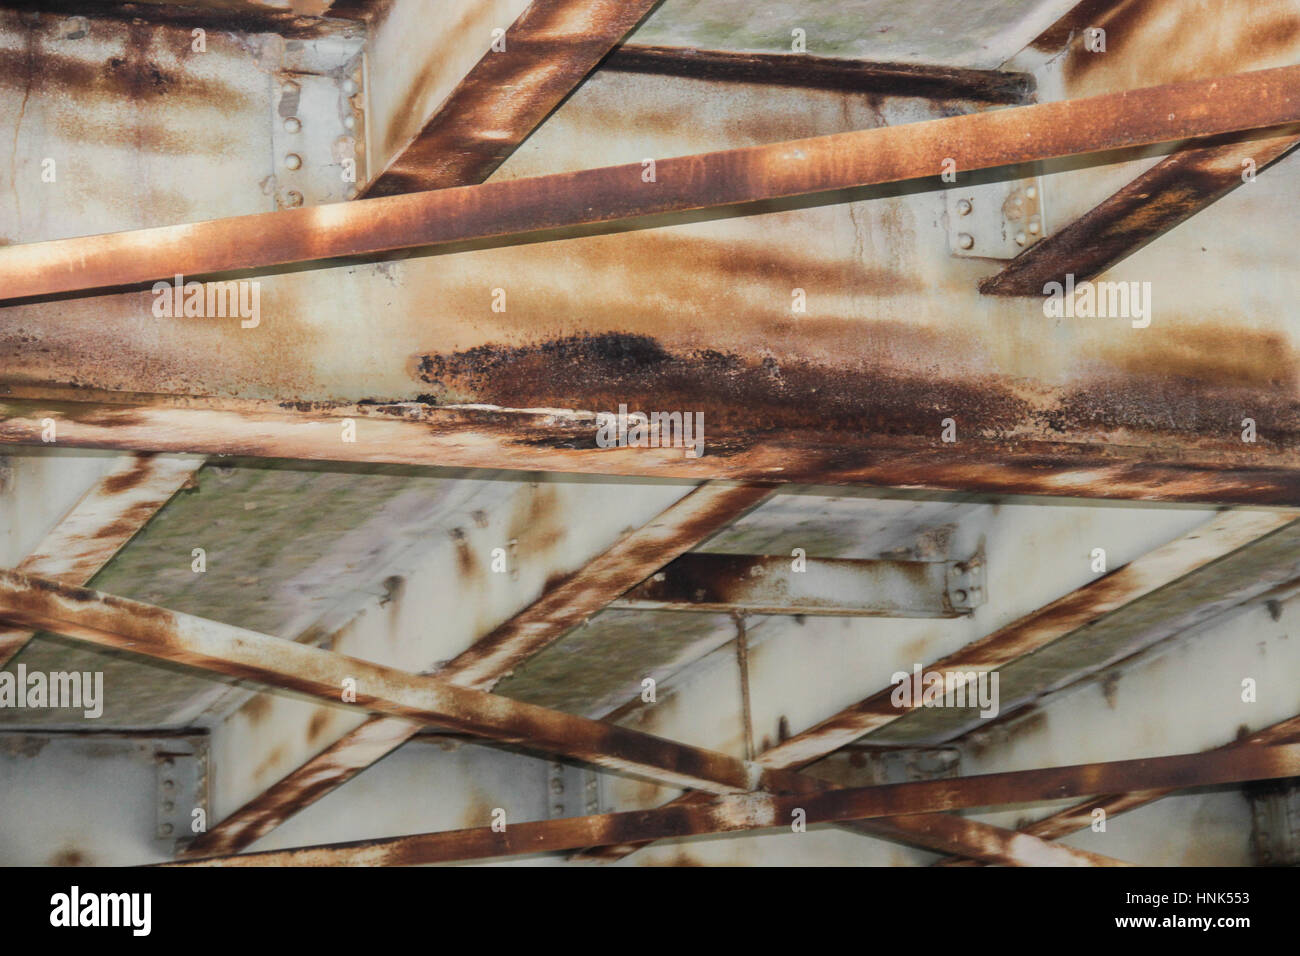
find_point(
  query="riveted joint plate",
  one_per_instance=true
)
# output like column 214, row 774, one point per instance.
column 182, row 791
column 997, row 220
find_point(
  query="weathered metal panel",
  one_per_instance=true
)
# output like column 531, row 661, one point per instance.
column 973, row 33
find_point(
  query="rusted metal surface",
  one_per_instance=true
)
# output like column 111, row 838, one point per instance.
column 520, row 208
column 773, row 584
column 117, row 623
column 559, row 441
column 825, row 73
column 302, row 20
column 1080, row 816
column 99, row 525
column 1222, row 535
column 729, row 814
column 565, row 605
column 1169, row 193
column 547, row 52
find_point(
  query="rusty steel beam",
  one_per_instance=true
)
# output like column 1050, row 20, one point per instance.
column 759, row 811
column 547, row 440
column 114, row 622
column 1079, row 816
column 524, row 207
column 547, row 52
column 118, row 623
column 825, row 73
column 100, row 525
column 564, row 606
column 1169, row 193
column 772, row 584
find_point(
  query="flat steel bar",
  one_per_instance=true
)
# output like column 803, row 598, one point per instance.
column 842, row 75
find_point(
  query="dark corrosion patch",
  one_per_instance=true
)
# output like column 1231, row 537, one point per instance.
column 601, row 372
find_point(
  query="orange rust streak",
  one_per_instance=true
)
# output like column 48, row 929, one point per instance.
column 519, row 207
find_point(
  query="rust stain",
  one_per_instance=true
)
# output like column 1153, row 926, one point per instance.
column 319, row 721
column 1197, row 39
column 599, row 372
column 70, row 856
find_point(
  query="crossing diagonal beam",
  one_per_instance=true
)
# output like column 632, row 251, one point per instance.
column 114, row 622
column 760, row 811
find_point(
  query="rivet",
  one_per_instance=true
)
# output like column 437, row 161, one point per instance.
column 1021, row 239
column 293, row 161
column 1034, row 227
column 349, row 121
column 1032, row 192
column 966, row 240
column 166, row 829
column 959, row 596
column 963, row 207
column 292, row 124
column 289, row 87
column 293, row 198
column 350, row 87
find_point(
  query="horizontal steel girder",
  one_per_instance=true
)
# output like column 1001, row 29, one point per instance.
column 612, row 194
column 768, row 584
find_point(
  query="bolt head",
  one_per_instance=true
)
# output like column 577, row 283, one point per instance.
column 966, row 240
column 292, row 124
column 963, row 207
column 293, row 161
